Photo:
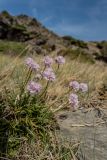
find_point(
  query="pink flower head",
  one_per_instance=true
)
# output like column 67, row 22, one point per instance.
column 48, row 61
column 73, row 100
column 60, row 60
column 74, row 85
column 49, row 75
column 34, row 87
column 83, row 87
column 32, row 64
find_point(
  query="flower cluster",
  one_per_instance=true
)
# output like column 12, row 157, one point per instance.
column 73, row 100
column 48, row 61
column 34, row 87
column 47, row 74
column 60, row 60
column 76, row 86
column 32, row 64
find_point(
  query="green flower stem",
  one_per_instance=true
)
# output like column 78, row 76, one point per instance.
column 45, row 89
column 28, row 75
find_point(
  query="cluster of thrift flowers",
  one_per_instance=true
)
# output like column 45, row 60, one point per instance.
column 48, row 61
column 32, row 64
column 60, row 60
column 34, row 87
column 76, row 86
column 73, row 100
column 48, row 74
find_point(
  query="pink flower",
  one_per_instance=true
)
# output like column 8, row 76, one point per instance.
column 49, row 75
column 83, row 87
column 73, row 100
column 34, row 87
column 32, row 64
column 60, row 60
column 74, row 85
column 48, row 61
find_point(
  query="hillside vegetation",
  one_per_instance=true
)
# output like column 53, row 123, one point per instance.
column 28, row 30
column 36, row 70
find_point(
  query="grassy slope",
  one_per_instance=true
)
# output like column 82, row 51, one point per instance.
column 12, row 70
column 93, row 74
column 10, row 47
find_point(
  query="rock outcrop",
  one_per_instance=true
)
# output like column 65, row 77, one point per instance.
column 23, row 28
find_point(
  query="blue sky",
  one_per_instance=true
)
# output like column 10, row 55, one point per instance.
column 83, row 19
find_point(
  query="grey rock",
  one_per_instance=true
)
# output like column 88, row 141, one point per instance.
column 40, row 41
column 89, row 129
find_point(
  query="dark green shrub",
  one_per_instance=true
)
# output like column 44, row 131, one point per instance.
column 6, row 14
column 76, row 42
column 19, row 27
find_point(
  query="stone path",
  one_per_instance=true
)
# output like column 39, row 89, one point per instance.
column 87, row 127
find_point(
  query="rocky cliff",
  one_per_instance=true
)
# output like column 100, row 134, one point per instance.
column 28, row 30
